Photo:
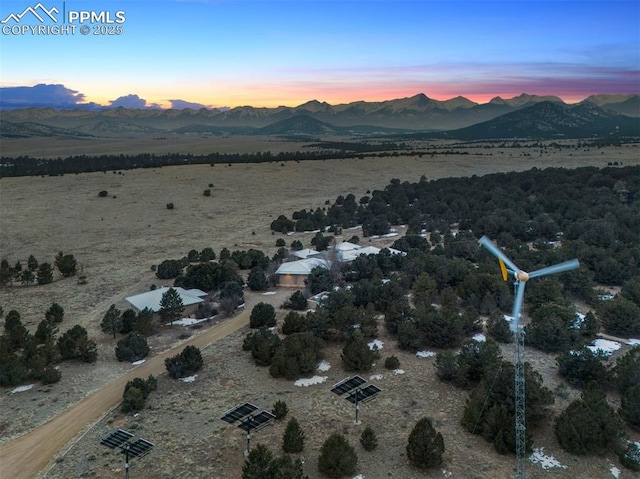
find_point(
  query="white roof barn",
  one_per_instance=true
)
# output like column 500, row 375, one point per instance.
column 348, row 251
column 151, row 299
column 304, row 266
column 306, row 253
column 294, row 273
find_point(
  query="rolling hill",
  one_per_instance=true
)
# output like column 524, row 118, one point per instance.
column 552, row 120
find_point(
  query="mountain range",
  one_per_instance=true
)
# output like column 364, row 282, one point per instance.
column 524, row 115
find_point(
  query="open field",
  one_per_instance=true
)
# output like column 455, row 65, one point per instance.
column 195, row 144
column 118, row 238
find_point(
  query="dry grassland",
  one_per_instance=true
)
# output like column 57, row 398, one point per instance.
column 118, row 238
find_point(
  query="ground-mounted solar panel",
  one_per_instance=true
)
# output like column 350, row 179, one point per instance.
column 363, row 395
column 238, row 412
column 257, row 422
column 116, row 438
column 347, row 385
column 139, row 448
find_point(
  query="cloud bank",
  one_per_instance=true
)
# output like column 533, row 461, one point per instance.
column 42, row 95
column 60, row 97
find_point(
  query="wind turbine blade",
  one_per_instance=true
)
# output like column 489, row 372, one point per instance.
column 503, row 268
column 556, row 268
column 517, row 306
column 497, row 252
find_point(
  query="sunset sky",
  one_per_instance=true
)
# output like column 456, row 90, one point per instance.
column 269, row 53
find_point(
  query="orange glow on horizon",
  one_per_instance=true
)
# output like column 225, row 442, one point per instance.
column 273, row 99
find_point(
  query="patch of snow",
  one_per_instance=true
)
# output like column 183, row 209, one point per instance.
column 507, row 318
column 189, row 321
column 268, row 293
column 242, row 305
column 446, row 473
column 304, row 382
column 311, row 310
column 425, row 354
column 397, row 372
column 359, row 476
column 376, row 377
column 615, row 472
column 578, row 322
column 605, row 297
column 21, row 389
column 354, row 228
column 375, row 345
column 385, row 280
column 390, row 235
column 189, row 379
column 547, row 462
column 633, row 342
column 138, row 363
column 323, row 366
column 605, row 346
column 289, row 233
column 481, row 338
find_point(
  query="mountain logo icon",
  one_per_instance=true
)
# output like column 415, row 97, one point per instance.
column 38, row 11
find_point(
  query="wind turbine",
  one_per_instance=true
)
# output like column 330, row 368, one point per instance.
column 521, row 277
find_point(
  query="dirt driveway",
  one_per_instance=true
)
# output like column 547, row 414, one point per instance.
column 27, row 456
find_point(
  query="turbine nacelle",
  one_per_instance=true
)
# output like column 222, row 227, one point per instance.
column 506, row 265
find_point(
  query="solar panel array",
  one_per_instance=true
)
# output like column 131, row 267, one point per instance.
column 347, row 385
column 139, row 448
column 363, row 395
column 116, row 438
column 257, row 422
column 238, row 412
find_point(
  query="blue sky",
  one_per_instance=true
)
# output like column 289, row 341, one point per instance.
column 269, row 53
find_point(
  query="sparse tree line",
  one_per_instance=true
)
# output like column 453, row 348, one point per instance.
column 593, row 211
column 35, row 272
column 28, row 166
column 33, row 357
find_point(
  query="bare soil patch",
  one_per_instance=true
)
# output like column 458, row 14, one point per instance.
column 118, row 239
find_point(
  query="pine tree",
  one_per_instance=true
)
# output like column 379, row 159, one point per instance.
column 260, row 464
column 257, row 280
column 171, row 306
column 589, row 424
column 280, row 410
column 111, row 321
column 337, row 457
column 356, row 355
column 630, row 406
column 425, row 446
column 498, row 328
column 32, row 263
column 289, row 468
column 482, row 416
column 262, row 315
column 368, row 439
column 44, row 274
column 293, row 438
column 66, row 264
column 55, row 313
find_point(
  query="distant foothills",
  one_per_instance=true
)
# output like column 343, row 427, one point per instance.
column 528, row 116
